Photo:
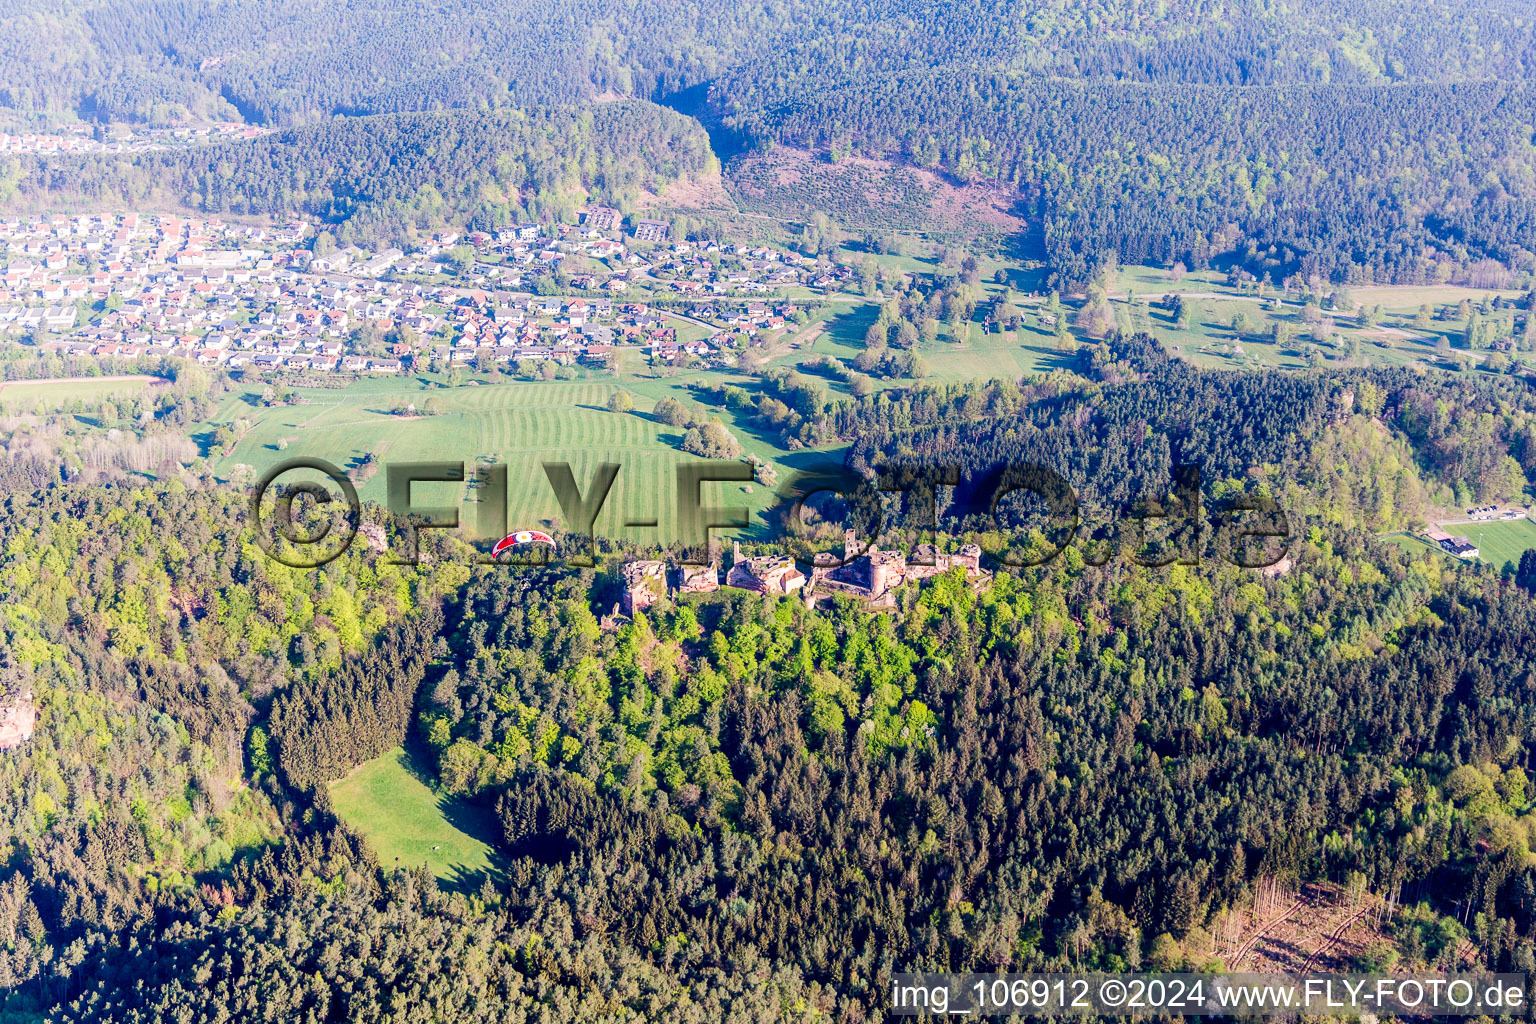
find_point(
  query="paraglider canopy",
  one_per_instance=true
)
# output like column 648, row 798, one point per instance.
column 511, row 540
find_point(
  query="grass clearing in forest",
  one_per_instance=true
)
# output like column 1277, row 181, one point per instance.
column 998, row 355
column 408, row 823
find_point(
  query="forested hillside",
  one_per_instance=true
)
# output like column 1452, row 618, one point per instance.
column 1343, row 140
column 805, row 846
column 740, row 807
column 1373, row 448
column 1342, row 183
column 295, row 60
column 381, row 179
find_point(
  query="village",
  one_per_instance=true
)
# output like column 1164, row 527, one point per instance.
column 274, row 298
column 125, row 138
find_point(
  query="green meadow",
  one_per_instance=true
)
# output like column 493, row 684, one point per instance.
column 1415, row 546
column 27, row 395
column 1209, row 339
column 520, row 424
column 981, row 356
column 409, row 824
column 1000, row 354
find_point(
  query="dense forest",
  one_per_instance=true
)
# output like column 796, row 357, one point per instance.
column 1367, row 447
column 1339, row 182
column 289, row 61
column 382, row 179
column 1347, row 141
column 740, row 808
column 736, row 807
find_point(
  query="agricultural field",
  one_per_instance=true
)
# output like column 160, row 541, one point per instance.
column 409, row 824
column 520, row 424
column 28, row 395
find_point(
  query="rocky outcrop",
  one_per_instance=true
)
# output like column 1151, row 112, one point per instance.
column 18, row 717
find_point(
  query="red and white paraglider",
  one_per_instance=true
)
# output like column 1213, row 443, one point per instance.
column 512, row 540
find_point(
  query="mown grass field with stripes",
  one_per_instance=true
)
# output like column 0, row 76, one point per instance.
column 520, row 424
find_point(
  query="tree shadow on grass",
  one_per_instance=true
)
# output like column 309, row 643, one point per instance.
column 849, row 328
column 475, row 818
column 204, row 442
column 1049, row 359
